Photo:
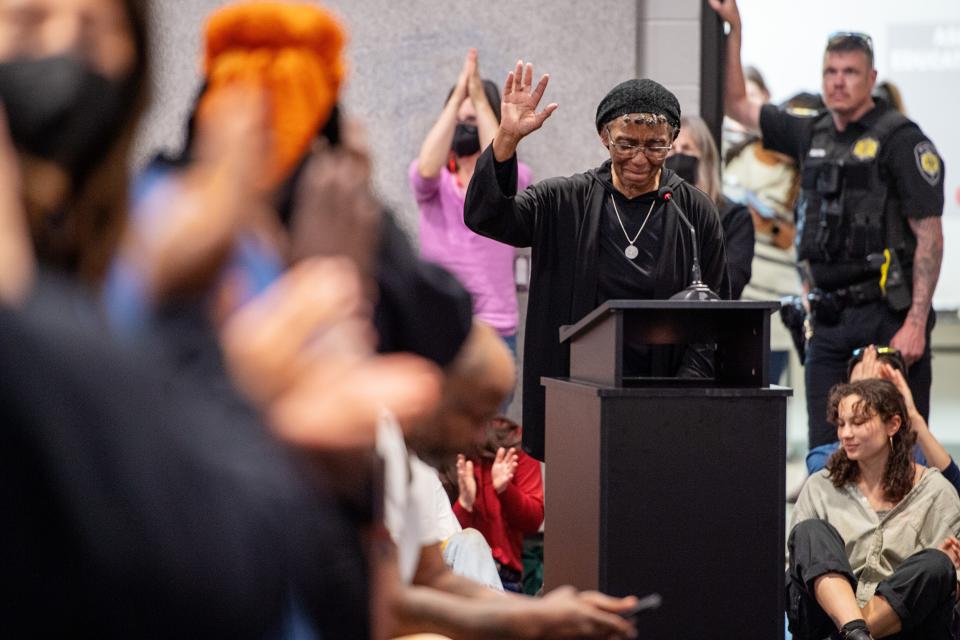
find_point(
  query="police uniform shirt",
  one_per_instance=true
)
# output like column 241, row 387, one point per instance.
column 908, row 157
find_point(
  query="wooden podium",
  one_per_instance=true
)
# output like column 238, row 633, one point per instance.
column 667, row 485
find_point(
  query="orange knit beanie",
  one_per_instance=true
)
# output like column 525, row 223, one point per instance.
column 293, row 51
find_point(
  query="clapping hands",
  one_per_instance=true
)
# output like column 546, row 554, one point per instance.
column 466, row 482
column 501, row 473
column 504, row 468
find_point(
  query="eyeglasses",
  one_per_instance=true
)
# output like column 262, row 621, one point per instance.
column 839, row 36
column 631, row 150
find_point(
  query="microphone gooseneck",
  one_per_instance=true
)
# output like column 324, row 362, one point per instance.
column 697, row 290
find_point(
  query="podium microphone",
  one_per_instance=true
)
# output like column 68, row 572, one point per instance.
column 698, row 290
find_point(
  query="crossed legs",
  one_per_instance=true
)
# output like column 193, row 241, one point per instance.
column 916, row 601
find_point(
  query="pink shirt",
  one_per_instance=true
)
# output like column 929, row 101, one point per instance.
column 483, row 266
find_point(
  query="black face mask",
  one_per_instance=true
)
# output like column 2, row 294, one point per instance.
column 466, row 139
column 60, row 110
column 685, row 166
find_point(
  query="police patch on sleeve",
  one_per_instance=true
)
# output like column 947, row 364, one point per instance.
column 928, row 162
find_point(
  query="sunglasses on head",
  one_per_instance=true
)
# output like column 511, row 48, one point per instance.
column 859, row 351
column 889, row 354
column 862, row 38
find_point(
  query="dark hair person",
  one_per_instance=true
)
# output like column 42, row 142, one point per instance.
column 137, row 503
column 695, row 158
column 439, row 177
column 874, row 399
column 72, row 113
column 872, row 545
column 617, row 238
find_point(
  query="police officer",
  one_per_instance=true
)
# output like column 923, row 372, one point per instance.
column 868, row 216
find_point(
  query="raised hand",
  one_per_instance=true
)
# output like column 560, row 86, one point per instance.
column 302, row 351
column 460, row 90
column 190, row 226
column 893, row 375
column 504, row 468
column 486, row 117
column 336, row 211
column 16, row 253
column 869, row 366
column 467, row 483
column 518, row 108
column 727, row 9
column 474, row 83
column 270, row 342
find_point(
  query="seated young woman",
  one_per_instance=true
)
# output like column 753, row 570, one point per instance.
column 872, row 547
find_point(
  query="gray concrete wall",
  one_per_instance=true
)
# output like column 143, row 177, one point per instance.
column 669, row 47
column 405, row 55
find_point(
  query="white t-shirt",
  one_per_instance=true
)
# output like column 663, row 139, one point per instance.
column 417, row 511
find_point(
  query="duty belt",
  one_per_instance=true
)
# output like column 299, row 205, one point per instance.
column 857, row 294
column 826, row 306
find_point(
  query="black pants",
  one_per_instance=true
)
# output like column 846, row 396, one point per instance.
column 830, row 348
column 920, row 591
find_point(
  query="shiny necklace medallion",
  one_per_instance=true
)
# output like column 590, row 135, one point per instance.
column 631, row 251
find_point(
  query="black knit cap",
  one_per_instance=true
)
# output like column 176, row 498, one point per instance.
column 639, row 96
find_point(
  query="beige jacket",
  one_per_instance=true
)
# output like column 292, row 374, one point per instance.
column 876, row 546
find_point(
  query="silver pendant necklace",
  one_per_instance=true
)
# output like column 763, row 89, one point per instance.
column 631, row 251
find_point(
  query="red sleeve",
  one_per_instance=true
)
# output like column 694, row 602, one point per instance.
column 522, row 501
column 463, row 516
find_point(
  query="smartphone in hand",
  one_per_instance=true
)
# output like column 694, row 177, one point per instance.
column 647, row 603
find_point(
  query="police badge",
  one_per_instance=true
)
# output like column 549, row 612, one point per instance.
column 866, row 148
column 928, row 162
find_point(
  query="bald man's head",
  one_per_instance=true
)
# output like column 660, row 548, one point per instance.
column 476, row 383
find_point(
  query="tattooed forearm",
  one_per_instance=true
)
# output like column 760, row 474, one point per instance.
column 926, row 265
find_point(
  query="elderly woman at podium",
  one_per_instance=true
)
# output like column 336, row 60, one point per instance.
column 873, row 551
column 609, row 233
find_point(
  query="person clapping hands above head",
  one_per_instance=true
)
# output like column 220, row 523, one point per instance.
column 439, row 178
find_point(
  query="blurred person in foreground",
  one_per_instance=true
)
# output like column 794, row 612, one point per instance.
column 439, row 178
column 138, row 503
column 873, row 547
column 695, row 158
column 144, row 501
column 870, row 238
column 419, row 591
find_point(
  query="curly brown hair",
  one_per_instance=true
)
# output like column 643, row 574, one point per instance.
column 876, row 398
